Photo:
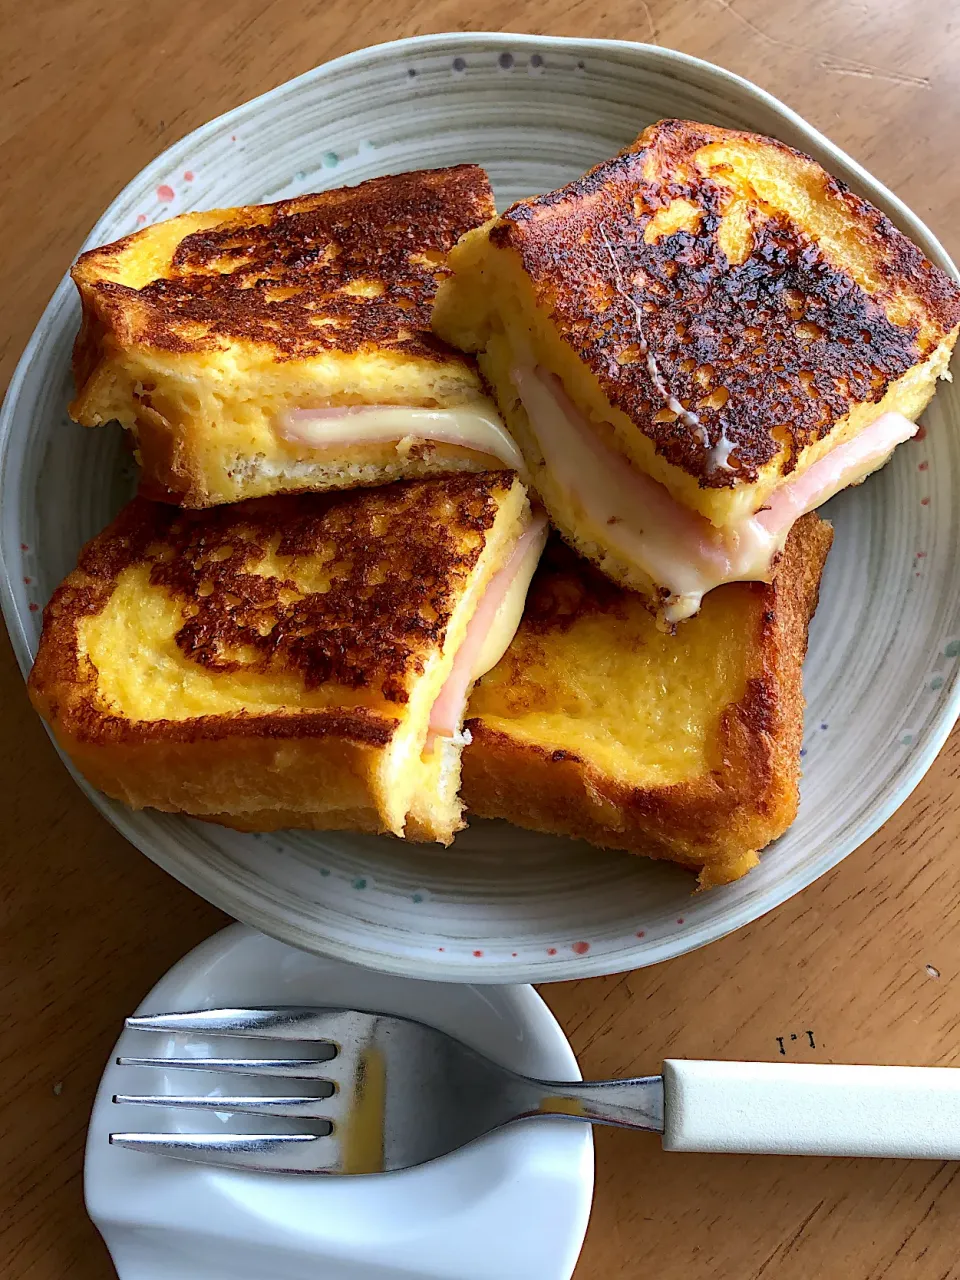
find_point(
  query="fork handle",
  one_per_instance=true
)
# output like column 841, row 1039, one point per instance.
column 630, row 1104
column 774, row 1108
column 784, row 1108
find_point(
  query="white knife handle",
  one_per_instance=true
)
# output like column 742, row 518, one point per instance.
column 790, row 1108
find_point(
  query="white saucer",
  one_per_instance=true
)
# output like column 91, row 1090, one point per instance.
column 513, row 1206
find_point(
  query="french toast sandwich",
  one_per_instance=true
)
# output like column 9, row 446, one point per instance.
column 298, row 661
column 287, row 347
column 694, row 344
column 597, row 724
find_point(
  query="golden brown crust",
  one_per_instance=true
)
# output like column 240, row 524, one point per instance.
column 366, row 630
column 254, row 782
column 200, row 334
column 303, row 624
column 769, row 351
column 714, row 822
column 339, row 271
column 302, row 818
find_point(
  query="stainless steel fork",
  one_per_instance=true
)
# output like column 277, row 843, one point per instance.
column 389, row 1093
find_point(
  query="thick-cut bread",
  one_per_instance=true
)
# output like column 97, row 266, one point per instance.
column 596, row 724
column 203, row 333
column 275, row 663
column 720, row 312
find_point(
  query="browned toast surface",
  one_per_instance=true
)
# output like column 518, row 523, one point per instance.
column 771, row 297
column 339, row 592
column 336, row 271
column 595, row 725
column 276, row 661
column 204, row 333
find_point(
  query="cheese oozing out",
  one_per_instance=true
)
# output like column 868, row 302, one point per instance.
column 490, row 630
column 339, row 426
column 639, row 521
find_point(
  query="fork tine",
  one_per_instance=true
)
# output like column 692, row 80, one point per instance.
column 305, row 1108
column 288, row 1068
column 280, row 1153
column 295, row 1022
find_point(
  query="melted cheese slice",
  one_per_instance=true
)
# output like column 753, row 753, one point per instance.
column 479, row 430
column 491, row 629
column 637, row 519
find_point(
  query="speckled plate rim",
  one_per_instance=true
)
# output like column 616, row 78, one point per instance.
column 244, row 907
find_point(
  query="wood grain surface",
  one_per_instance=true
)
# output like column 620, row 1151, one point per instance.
column 863, row 966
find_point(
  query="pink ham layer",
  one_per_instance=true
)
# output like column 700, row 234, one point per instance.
column 695, row 547
column 448, row 708
column 835, row 471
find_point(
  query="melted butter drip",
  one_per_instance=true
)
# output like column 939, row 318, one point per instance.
column 686, row 416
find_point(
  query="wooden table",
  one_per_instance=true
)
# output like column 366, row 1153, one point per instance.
column 866, row 961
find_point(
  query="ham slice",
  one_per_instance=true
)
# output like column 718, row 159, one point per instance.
column 676, row 547
column 490, row 630
column 337, row 426
column 843, row 466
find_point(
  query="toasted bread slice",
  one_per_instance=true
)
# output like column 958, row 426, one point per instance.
column 276, row 662
column 719, row 316
column 596, row 724
column 212, row 335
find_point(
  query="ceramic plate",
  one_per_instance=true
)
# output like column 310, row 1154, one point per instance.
column 502, row 906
